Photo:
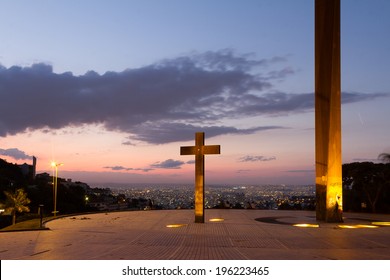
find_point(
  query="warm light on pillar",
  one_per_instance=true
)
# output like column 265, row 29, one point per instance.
column 328, row 111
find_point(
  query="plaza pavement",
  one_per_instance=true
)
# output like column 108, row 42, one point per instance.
column 242, row 234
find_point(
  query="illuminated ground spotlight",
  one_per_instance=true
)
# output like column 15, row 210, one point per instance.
column 356, row 226
column 385, row 224
column 306, row 225
column 176, row 225
column 216, row 220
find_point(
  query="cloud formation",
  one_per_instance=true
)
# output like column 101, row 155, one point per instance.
column 250, row 158
column 168, row 164
column 160, row 103
column 122, row 168
column 15, row 153
column 157, row 133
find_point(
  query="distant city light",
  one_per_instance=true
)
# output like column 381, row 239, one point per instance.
column 253, row 197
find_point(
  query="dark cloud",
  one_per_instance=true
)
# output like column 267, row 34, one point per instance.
column 159, row 103
column 352, row 97
column 117, row 168
column 128, row 143
column 168, row 164
column 250, row 158
column 122, row 168
column 162, row 132
column 15, row 153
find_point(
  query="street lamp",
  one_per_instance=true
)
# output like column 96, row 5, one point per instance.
column 55, row 165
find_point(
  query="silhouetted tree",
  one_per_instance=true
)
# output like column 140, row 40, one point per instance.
column 366, row 182
column 70, row 199
column 10, row 176
column 384, row 157
column 238, row 206
column 16, row 202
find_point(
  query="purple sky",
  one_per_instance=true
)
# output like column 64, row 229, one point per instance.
column 113, row 90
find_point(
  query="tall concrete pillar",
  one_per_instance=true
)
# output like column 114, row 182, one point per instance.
column 328, row 111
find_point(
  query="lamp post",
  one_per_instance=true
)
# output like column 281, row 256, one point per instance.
column 55, row 165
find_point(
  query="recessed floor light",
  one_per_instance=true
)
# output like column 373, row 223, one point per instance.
column 307, row 225
column 356, row 226
column 175, row 225
column 381, row 223
column 216, row 220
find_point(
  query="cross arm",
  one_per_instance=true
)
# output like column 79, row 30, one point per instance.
column 187, row 150
column 212, row 149
column 203, row 150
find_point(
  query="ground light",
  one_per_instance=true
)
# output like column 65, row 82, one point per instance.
column 176, row 225
column 356, row 226
column 386, row 224
column 216, row 220
column 307, row 225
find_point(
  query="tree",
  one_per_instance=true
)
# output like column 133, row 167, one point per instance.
column 10, row 176
column 366, row 183
column 16, row 202
column 384, row 157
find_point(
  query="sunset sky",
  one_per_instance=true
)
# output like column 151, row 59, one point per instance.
column 112, row 89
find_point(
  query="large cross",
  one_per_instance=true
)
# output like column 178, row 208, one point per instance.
column 199, row 150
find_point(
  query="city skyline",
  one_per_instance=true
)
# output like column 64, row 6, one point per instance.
column 113, row 91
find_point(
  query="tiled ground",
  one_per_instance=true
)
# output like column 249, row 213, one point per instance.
column 145, row 235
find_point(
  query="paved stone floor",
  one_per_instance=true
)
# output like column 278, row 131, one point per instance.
column 242, row 234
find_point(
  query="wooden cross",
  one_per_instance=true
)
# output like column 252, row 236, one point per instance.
column 199, row 150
